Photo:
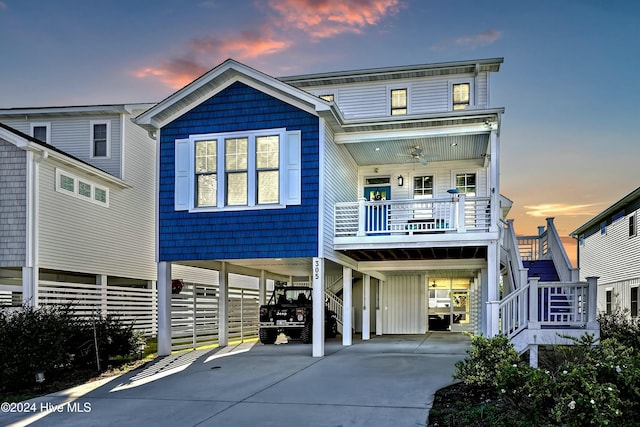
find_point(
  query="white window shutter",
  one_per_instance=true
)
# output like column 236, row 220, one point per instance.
column 182, row 179
column 293, row 171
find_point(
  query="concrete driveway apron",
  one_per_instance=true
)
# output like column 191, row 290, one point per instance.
column 385, row 381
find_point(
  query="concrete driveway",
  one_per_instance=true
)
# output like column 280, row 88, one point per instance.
column 385, row 381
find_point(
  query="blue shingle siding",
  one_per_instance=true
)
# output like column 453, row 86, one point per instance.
column 269, row 233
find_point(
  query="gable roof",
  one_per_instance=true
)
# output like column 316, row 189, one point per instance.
column 215, row 81
column 629, row 199
column 27, row 142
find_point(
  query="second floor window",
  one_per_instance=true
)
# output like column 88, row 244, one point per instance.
column 461, row 96
column 423, row 187
column 632, row 225
column 99, row 139
column 40, row 131
column 398, row 102
column 466, row 183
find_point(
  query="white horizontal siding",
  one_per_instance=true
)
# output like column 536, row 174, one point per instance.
column 613, row 257
column 443, row 172
column 426, row 95
column 340, row 184
column 118, row 240
column 73, row 136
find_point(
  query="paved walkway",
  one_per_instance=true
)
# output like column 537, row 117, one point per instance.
column 385, row 381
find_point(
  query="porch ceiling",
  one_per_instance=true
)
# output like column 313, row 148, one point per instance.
column 434, row 149
column 414, row 254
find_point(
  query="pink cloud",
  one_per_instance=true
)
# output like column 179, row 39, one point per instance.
column 3, row 5
column 316, row 18
column 328, row 18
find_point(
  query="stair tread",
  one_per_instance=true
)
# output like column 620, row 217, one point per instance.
column 544, row 269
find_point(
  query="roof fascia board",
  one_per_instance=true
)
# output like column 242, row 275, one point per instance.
column 474, row 66
column 28, row 145
column 80, row 110
column 236, row 72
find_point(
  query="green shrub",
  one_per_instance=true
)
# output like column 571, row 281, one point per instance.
column 620, row 326
column 54, row 340
column 487, row 357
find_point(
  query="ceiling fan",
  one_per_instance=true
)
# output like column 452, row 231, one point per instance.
column 418, row 154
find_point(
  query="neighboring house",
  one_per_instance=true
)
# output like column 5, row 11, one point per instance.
column 77, row 211
column 380, row 187
column 609, row 248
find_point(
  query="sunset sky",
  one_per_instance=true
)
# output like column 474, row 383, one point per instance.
column 568, row 82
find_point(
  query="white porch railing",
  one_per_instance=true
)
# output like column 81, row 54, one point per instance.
column 550, row 305
column 370, row 218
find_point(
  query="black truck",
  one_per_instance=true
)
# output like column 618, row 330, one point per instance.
column 290, row 311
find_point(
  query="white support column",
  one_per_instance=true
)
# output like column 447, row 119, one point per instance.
column 154, row 306
column 262, row 287
column 29, row 288
column 223, row 307
column 494, row 179
column 493, row 282
column 317, row 276
column 533, row 303
column 379, row 308
column 533, row 356
column 347, row 305
column 101, row 280
column 366, row 307
column 164, row 308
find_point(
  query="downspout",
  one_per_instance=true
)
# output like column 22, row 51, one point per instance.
column 31, row 274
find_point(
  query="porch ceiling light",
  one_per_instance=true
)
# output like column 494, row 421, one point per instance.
column 400, row 181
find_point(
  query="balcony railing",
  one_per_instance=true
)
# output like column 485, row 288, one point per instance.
column 409, row 217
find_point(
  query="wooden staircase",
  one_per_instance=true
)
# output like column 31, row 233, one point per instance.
column 548, row 305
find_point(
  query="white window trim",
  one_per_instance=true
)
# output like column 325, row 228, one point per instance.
column 389, row 88
column 480, row 192
column 92, row 124
column 251, row 171
column 76, row 188
column 472, row 92
column 47, row 125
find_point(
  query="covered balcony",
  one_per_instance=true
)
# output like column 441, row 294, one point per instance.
column 390, row 222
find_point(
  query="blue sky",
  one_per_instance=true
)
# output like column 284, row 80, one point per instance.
column 568, row 82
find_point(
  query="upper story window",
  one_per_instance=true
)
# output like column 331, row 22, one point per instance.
column 603, row 227
column 72, row 185
column 423, row 187
column 466, row 183
column 460, row 96
column 41, row 132
column 239, row 170
column 632, row 225
column 100, row 138
column 398, row 102
column 328, row 97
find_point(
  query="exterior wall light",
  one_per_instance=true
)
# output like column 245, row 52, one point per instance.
column 400, row 181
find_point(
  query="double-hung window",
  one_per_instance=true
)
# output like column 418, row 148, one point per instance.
column 632, row 225
column 461, row 95
column 238, row 170
column 398, row 102
column 100, row 136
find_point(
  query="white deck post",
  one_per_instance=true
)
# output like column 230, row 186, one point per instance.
column 366, row 307
column 461, row 207
column 533, row 302
column 361, row 217
column 533, row 356
column 164, row 308
column 592, row 309
column 101, row 280
column 318, row 307
column 347, row 288
column 379, row 309
column 223, row 307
